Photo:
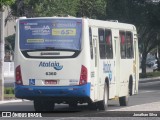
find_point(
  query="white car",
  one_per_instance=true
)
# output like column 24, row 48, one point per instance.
column 152, row 63
column 155, row 65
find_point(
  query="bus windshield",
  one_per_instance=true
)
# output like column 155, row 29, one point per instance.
column 60, row 34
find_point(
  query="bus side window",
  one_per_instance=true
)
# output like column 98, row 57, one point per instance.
column 91, row 44
column 122, row 44
column 109, row 49
column 102, row 47
column 129, row 45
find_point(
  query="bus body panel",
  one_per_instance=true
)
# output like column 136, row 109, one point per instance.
column 38, row 92
column 36, row 71
column 121, row 72
column 59, row 76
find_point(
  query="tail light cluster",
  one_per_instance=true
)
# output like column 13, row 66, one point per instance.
column 18, row 75
column 83, row 75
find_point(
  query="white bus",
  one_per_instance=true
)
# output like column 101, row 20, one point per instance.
column 75, row 60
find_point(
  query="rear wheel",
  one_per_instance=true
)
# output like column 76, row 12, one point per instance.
column 92, row 106
column 123, row 101
column 102, row 105
column 43, row 105
column 130, row 88
column 73, row 105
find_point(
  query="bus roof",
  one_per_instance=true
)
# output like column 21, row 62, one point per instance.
column 111, row 24
column 94, row 22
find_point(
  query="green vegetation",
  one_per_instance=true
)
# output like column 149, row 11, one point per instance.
column 79, row 8
column 9, row 96
column 9, row 93
column 9, row 43
column 6, row 3
column 8, row 90
column 150, row 74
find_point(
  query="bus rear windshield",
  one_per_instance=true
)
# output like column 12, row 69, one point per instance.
column 61, row 34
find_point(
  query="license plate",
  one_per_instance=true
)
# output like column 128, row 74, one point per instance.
column 50, row 82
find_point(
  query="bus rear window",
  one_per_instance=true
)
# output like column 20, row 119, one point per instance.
column 61, row 34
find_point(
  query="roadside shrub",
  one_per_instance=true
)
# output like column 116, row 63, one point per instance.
column 150, row 74
column 9, row 90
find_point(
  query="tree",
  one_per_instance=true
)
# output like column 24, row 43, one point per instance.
column 30, row 8
column 149, row 33
column 10, row 43
column 6, row 3
column 2, row 5
column 140, row 13
column 92, row 9
column 80, row 8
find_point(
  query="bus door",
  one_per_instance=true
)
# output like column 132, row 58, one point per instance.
column 111, row 40
column 117, row 61
column 95, row 62
column 136, row 65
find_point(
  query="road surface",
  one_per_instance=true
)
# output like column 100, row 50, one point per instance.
column 148, row 101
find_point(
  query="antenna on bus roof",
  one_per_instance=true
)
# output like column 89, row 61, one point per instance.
column 63, row 15
column 23, row 17
column 114, row 21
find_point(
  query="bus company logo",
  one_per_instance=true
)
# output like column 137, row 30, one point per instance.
column 64, row 24
column 25, row 23
column 55, row 65
column 107, row 69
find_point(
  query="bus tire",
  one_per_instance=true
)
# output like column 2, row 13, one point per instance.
column 43, row 105
column 123, row 101
column 103, row 105
column 130, row 87
column 92, row 106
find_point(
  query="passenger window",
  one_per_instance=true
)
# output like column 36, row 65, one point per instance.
column 102, row 46
column 129, row 45
column 126, row 39
column 91, row 44
column 122, row 44
column 109, row 49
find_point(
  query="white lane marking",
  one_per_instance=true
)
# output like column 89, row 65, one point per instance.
column 154, row 106
column 146, row 91
column 150, row 82
column 64, row 118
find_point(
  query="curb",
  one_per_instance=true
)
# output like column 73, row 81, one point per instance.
column 149, row 79
column 12, row 101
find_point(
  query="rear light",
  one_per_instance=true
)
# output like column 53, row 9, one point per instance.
column 18, row 76
column 83, row 76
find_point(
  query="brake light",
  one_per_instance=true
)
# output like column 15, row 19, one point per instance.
column 83, row 76
column 18, row 76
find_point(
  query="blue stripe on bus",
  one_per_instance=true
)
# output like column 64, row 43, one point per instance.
column 25, row 92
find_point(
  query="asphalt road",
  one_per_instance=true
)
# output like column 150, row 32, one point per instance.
column 148, row 101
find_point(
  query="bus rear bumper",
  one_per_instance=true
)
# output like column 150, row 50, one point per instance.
column 55, row 92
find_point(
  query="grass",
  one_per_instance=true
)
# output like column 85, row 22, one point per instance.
column 9, row 93
column 9, row 97
column 8, row 90
column 150, row 74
